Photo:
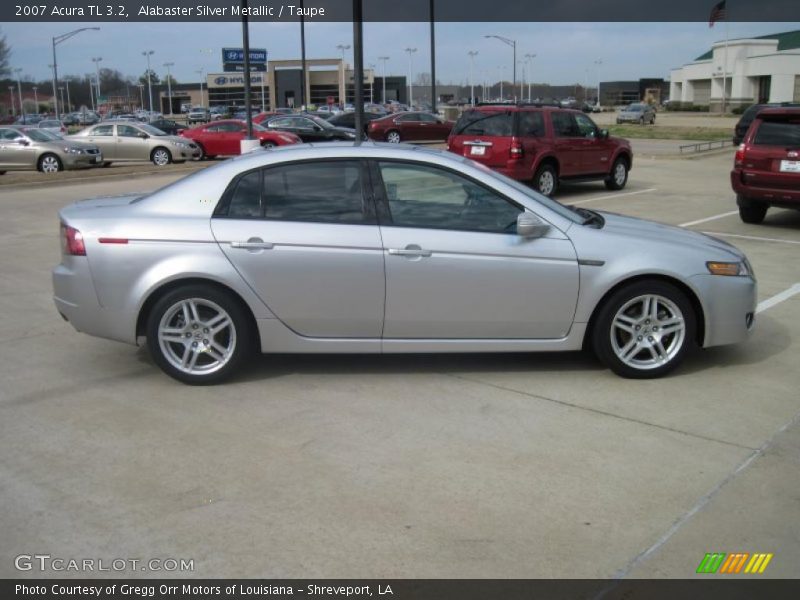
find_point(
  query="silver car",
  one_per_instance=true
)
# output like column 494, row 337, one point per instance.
column 379, row 248
column 30, row 148
column 123, row 141
column 637, row 113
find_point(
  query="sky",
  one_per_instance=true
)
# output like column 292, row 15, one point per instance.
column 565, row 52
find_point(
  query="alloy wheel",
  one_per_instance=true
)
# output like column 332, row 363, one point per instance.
column 546, row 182
column 161, row 157
column 647, row 332
column 50, row 164
column 393, row 137
column 620, row 173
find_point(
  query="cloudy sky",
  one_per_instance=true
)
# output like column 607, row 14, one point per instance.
column 565, row 52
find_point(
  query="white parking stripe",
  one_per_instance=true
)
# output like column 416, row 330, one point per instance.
column 751, row 237
column 607, row 196
column 727, row 214
column 778, row 298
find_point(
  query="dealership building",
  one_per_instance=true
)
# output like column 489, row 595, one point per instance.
column 761, row 69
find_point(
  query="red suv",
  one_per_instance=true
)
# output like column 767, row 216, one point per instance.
column 541, row 145
column 766, row 169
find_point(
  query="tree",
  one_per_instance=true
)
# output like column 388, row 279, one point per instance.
column 5, row 52
column 154, row 78
column 172, row 80
column 423, row 79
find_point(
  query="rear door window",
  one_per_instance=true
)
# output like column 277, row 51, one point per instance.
column 531, row 123
column 778, row 133
column 492, row 123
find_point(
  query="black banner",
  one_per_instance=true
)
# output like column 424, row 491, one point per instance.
column 396, row 10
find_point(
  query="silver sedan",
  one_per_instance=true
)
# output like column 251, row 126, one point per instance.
column 376, row 248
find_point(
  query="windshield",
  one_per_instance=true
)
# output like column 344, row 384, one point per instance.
column 52, row 136
column 150, row 129
column 38, row 135
column 635, row 108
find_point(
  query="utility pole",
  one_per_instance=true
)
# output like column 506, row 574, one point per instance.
column 18, row 71
column 56, row 41
column 343, row 88
column 472, row 55
column 529, row 58
column 513, row 44
column 147, row 54
column 384, row 59
column 96, row 62
column 411, row 52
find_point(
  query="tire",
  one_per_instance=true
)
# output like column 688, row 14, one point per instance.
column 619, row 175
column 644, row 330
column 2, row 172
column 182, row 339
column 49, row 163
column 160, row 156
column 393, row 137
column 202, row 151
column 268, row 145
column 106, row 164
column 546, row 180
column 753, row 213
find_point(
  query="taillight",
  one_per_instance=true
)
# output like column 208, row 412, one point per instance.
column 738, row 158
column 72, row 241
column 516, row 148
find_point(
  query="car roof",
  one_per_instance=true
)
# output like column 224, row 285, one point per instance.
column 778, row 112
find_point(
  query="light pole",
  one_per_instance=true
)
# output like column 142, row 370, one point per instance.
column 472, row 55
column 69, row 102
column 96, row 62
column 410, row 76
column 57, row 40
column 13, row 106
column 169, row 84
column 91, row 92
column 529, row 58
column 147, row 54
column 141, row 96
column 61, row 92
column 36, row 98
column 384, row 59
column 597, row 63
column 513, row 44
column 500, row 70
column 202, row 99
column 19, row 89
column 343, row 89
column 372, row 68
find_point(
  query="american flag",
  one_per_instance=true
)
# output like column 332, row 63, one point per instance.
column 717, row 13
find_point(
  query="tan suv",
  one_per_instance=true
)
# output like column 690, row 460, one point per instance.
column 29, row 148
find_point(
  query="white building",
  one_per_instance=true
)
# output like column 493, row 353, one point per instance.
column 762, row 69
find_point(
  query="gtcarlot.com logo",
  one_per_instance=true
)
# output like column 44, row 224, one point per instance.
column 46, row 562
column 734, row 563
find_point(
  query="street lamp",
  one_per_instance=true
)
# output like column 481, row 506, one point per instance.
column 147, row 54
column 169, row 84
column 529, row 58
column 343, row 89
column 411, row 52
column 597, row 63
column 19, row 89
column 96, row 62
column 500, row 70
column 513, row 44
column 141, row 96
column 372, row 85
column 472, row 55
column 202, row 100
column 61, row 91
column 69, row 102
column 384, row 59
column 36, row 98
column 13, row 106
column 57, row 40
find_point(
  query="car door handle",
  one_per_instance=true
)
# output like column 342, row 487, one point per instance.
column 253, row 244
column 409, row 252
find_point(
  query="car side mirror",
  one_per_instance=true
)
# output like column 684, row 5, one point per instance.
column 531, row 226
column 142, row 135
column 21, row 141
column 602, row 134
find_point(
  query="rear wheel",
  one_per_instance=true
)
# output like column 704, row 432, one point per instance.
column 50, row 163
column 546, row 180
column 268, row 145
column 644, row 330
column 198, row 334
column 393, row 137
column 754, row 213
column 619, row 175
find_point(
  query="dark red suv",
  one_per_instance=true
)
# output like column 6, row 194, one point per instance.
column 766, row 169
column 541, row 145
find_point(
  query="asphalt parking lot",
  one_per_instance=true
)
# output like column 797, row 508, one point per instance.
column 523, row 466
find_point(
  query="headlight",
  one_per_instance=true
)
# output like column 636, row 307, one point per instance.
column 181, row 144
column 71, row 150
column 729, row 269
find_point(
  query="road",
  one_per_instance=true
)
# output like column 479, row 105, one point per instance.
column 523, row 466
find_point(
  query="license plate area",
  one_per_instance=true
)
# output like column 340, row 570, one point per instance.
column 477, row 150
column 790, row 166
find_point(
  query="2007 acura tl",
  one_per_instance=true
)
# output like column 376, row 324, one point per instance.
column 369, row 248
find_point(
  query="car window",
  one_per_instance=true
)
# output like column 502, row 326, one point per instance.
column 245, row 200
column 407, row 118
column 433, row 198
column 127, row 131
column 531, row 123
column 212, row 128
column 102, row 130
column 564, row 125
column 229, row 127
column 475, row 122
column 586, row 126
column 426, row 118
column 9, row 134
column 778, row 133
column 318, row 191
column 49, row 123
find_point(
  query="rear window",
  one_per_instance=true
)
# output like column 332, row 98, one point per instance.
column 476, row 122
column 778, row 133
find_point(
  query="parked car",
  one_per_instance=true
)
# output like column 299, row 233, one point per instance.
column 541, row 145
column 30, row 148
column 409, row 127
column 53, row 126
column 263, row 116
column 348, row 119
column 750, row 113
column 130, row 141
column 309, row 128
column 198, row 114
column 371, row 248
column 168, row 126
column 637, row 113
column 224, row 137
column 766, row 169
column 284, row 111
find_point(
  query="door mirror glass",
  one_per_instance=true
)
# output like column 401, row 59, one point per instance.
column 142, row 135
column 21, row 141
column 531, row 226
column 602, row 134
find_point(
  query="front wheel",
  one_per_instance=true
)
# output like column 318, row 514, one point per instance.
column 50, row 163
column 161, row 157
column 619, row 175
column 198, row 334
column 644, row 330
column 546, row 180
column 393, row 137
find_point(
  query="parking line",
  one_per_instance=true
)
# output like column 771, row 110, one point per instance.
column 778, row 298
column 715, row 217
column 606, row 197
column 751, row 237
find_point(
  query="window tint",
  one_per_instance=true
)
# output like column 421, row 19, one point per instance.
column 422, row 196
column 9, row 134
column 213, row 128
column 127, row 131
column 426, row 118
column 564, row 125
column 407, row 118
column 246, row 198
column 475, row 122
column 586, row 126
column 285, row 122
column 103, row 130
column 230, row 127
column 319, row 191
column 531, row 123
column 777, row 133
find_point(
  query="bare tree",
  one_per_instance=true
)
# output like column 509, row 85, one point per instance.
column 5, row 52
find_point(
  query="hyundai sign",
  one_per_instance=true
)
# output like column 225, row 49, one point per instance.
column 236, row 55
